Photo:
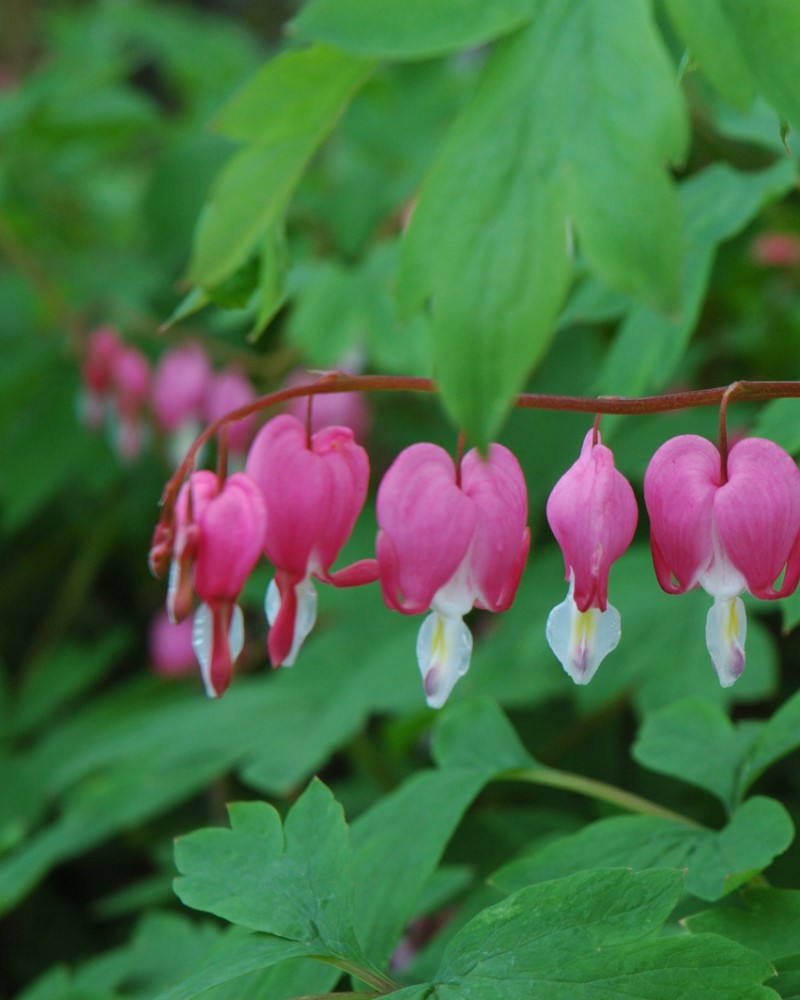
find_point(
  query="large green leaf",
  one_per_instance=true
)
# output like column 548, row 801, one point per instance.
column 410, row 28
column 716, row 862
column 768, row 921
column 294, row 882
column 769, row 34
column 695, row 741
column 283, row 113
column 393, row 862
column 590, row 936
column 714, row 45
column 718, row 202
column 545, row 142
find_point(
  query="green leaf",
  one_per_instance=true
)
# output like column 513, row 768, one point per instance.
column 235, row 291
column 294, row 881
column 716, row 862
column 192, row 302
column 61, row 676
column 410, row 29
column 477, row 735
column 488, row 240
column 589, row 935
column 718, row 202
column 272, row 272
column 283, row 113
column 393, row 861
column 695, row 741
column 769, row 34
column 768, row 921
column 713, row 43
column 777, row 737
column 779, row 421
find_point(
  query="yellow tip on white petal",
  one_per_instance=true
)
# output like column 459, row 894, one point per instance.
column 726, row 627
column 581, row 640
column 444, row 650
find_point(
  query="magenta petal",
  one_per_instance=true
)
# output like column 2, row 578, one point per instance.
column 679, row 489
column 313, row 494
column 500, row 544
column 592, row 512
column 426, row 523
column 231, row 537
column 757, row 513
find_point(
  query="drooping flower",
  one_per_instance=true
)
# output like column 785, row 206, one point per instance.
column 725, row 534
column 131, row 389
column 97, row 371
column 170, row 646
column 180, row 384
column 340, row 409
column 116, row 385
column 218, row 540
column 314, row 490
column 592, row 512
column 446, row 546
column 229, row 390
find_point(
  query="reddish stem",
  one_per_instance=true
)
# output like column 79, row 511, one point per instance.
column 339, row 382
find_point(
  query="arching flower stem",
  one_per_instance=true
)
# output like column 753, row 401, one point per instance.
column 341, row 382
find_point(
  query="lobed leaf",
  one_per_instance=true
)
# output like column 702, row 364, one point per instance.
column 587, row 936
column 716, row 862
column 410, row 29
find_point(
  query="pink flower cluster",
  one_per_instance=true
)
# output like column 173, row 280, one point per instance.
column 179, row 396
column 452, row 536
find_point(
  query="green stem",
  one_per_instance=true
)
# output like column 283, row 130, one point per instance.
column 596, row 790
column 371, row 977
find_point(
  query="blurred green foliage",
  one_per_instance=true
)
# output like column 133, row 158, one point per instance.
column 561, row 196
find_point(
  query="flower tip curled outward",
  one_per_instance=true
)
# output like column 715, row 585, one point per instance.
column 447, row 547
column 314, row 491
column 218, row 540
column 592, row 512
column 724, row 536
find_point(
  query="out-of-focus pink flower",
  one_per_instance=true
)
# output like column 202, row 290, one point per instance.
column 229, row 390
column 447, row 546
column 180, row 384
column 776, row 250
column 171, row 650
column 724, row 536
column 218, row 539
column 314, row 491
column 331, row 409
column 592, row 512
column 130, row 388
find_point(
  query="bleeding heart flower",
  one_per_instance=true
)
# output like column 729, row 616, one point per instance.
column 447, row 546
column 314, row 490
column 218, row 539
column 229, row 390
column 592, row 512
column 724, row 534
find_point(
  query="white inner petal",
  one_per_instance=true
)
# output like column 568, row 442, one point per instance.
column 172, row 589
column 721, row 579
column 457, row 596
column 304, row 619
column 444, row 650
column 581, row 640
column 726, row 627
column 236, row 633
column 202, row 644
